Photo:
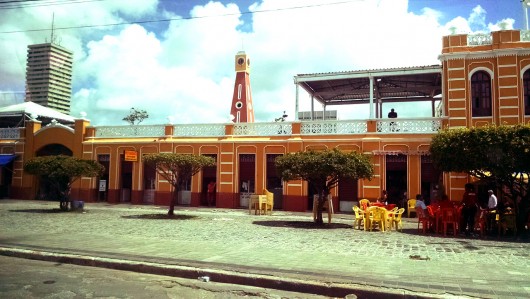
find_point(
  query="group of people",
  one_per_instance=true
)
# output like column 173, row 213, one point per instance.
column 469, row 207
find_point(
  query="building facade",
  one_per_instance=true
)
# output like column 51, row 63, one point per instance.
column 49, row 76
column 481, row 80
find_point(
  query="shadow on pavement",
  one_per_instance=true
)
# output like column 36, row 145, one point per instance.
column 160, row 217
column 39, row 211
column 302, row 224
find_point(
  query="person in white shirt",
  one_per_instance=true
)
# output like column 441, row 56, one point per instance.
column 492, row 200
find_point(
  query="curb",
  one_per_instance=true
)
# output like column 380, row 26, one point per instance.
column 221, row 276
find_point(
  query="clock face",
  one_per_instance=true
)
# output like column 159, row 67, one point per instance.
column 241, row 61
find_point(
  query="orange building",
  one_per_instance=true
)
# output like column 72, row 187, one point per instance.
column 482, row 79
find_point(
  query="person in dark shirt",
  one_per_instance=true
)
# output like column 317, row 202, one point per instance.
column 392, row 113
column 469, row 209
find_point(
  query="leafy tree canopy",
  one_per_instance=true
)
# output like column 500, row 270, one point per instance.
column 495, row 154
column 59, row 172
column 177, row 168
column 324, row 169
column 136, row 116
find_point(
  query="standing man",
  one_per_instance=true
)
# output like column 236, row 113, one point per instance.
column 469, row 209
column 492, row 200
column 211, row 193
column 392, row 114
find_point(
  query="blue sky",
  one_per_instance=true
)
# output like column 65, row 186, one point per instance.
column 183, row 69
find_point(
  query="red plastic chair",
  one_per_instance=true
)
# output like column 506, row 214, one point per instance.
column 450, row 217
column 423, row 219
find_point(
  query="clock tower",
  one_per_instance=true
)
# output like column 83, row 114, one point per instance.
column 242, row 110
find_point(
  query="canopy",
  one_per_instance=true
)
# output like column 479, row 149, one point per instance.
column 5, row 159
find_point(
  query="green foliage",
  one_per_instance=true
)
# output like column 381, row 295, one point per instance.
column 136, row 116
column 177, row 168
column 324, row 169
column 496, row 154
column 57, row 173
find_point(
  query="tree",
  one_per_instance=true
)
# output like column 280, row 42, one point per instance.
column 176, row 169
column 58, row 173
column 323, row 170
column 135, row 116
column 497, row 155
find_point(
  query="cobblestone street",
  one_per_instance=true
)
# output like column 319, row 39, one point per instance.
column 281, row 245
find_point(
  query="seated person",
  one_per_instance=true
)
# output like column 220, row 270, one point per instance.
column 420, row 203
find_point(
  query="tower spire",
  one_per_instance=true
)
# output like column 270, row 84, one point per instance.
column 242, row 109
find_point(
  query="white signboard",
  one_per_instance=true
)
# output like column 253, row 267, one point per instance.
column 102, row 185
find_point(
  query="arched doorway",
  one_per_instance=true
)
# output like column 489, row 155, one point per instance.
column 53, row 149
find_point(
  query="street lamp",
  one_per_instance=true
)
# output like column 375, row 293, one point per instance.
column 526, row 4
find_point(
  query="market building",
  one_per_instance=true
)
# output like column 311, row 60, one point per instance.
column 482, row 79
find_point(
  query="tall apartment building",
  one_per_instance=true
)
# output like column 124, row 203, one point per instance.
column 49, row 76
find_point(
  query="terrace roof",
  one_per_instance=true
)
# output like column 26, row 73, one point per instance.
column 423, row 83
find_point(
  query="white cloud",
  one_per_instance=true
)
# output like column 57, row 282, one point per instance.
column 187, row 70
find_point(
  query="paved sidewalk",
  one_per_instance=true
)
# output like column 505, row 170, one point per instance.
column 270, row 251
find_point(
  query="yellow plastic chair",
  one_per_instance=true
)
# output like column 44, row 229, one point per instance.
column 389, row 217
column 359, row 217
column 364, row 203
column 411, row 207
column 268, row 203
column 377, row 217
column 396, row 219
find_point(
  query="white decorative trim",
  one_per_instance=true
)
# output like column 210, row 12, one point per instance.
column 494, row 53
column 481, row 68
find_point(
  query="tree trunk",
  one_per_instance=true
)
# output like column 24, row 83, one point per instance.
column 320, row 206
column 173, row 202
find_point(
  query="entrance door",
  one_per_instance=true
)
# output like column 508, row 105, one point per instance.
column 247, row 179
column 347, row 194
column 103, row 182
column 209, row 174
column 396, row 178
column 274, row 182
column 431, row 188
column 149, row 184
column 125, row 179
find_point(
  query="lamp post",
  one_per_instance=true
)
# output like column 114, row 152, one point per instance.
column 526, row 4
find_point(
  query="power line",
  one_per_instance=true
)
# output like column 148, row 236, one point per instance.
column 14, row 4
column 179, row 18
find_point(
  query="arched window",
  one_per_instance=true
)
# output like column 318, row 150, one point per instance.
column 481, row 94
column 526, row 92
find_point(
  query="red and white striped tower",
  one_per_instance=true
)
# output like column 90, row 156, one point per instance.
column 242, row 110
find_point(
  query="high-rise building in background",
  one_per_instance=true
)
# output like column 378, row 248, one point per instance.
column 49, row 76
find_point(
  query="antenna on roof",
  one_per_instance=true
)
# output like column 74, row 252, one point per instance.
column 53, row 38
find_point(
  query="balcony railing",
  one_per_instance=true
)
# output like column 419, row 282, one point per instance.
column 263, row 129
column 330, row 127
column 333, row 127
column 199, row 130
column 479, row 39
column 131, row 131
column 9, row 133
column 413, row 125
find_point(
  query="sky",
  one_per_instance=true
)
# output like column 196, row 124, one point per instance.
column 175, row 58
